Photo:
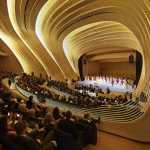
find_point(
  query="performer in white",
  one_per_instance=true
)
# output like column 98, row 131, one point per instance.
column 96, row 79
column 132, row 84
column 104, row 79
column 100, row 79
column 92, row 78
column 120, row 81
column 125, row 84
column 85, row 78
column 111, row 79
column 115, row 80
column 108, row 80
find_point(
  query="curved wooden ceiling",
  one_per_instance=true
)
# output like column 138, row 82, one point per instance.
column 49, row 36
column 57, row 33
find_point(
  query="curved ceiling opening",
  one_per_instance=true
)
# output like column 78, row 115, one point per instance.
column 103, row 41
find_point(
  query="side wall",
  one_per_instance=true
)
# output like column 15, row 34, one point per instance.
column 10, row 62
column 91, row 68
column 119, row 69
column 109, row 68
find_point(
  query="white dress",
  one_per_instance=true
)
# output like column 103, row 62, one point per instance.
column 120, row 81
column 115, row 81
column 108, row 80
column 125, row 84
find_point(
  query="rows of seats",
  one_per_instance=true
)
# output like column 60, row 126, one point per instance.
column 121, row 113
column 65, row 140
column 124, row 112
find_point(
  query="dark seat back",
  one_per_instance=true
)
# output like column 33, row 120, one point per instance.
column 8, row 144
column 89, row 133
column 65, row 141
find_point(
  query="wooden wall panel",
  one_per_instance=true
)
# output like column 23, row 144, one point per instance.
column 119, row 69
column 91, row 68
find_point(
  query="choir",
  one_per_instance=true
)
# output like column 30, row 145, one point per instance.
column 122, row 81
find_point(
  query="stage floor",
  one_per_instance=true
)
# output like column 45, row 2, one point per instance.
column 115, row 87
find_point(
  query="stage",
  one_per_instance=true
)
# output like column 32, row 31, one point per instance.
column 115, row 87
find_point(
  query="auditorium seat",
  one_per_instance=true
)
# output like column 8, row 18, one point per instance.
column 65, row 141
column 9, row 144
column 89, row 133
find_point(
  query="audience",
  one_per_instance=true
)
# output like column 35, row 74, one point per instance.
column 30, row 84
column 25, row 114
column 27, row 142
column 6, row 128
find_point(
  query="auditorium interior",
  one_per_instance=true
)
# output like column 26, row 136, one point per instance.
column 83, row 56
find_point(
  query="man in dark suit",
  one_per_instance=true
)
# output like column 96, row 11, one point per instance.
column 28, row 142
column 68, row 125
column 89, row 121
column 29, row 102
column 89, row 130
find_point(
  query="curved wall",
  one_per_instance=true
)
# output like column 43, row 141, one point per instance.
column 9, row 63
column 49, row 37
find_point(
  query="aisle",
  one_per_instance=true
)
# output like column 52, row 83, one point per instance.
column 106, row 141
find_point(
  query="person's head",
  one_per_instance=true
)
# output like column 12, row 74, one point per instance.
column 86, row 115
column 56, row 111
column 68, row 115
column 48, row 118
column 44, row 107
column 22, row 107
column 3, row 124
column 30, row 98
column 31, row 113
column 21, row 127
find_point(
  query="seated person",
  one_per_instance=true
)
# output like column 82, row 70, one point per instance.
column 56, row 113
column 19, row 101
column 88, row 120
column 5, row 128
column 42, row 112
column 107, row 90
column 11, row 106
column 31, row 115
column 32, row 120
column 68, row 125
column 48, row 121
column 63, row 98
column 55, row 97
column 22, row 109
column 28, row 142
